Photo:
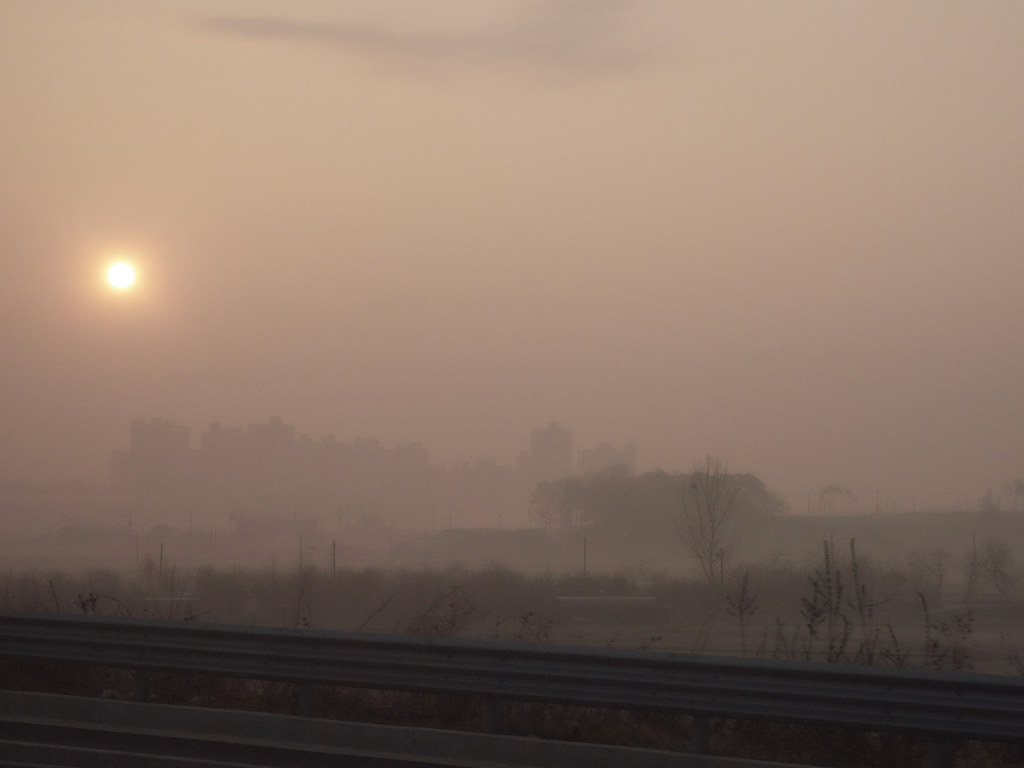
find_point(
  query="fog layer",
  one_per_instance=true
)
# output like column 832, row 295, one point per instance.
column 785, row 234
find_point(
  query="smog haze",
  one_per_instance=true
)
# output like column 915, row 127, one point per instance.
column 787, row 234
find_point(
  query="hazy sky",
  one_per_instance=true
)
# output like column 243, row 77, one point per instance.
column 788, row 234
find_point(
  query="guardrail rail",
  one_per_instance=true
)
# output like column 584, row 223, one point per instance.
column 944, row 705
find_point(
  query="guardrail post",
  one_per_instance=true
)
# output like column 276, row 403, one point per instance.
column 305, row 701
column 940, row 752
column 700, row 735
column 141, row 692
column 490, row 717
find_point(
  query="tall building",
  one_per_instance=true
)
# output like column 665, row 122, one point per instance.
column 605, row 457
column 157, row 465
column 550, row 455
column 264, row 470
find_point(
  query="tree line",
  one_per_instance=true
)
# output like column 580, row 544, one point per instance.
column 702, row 508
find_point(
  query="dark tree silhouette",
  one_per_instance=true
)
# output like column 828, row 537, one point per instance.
column 708, row 497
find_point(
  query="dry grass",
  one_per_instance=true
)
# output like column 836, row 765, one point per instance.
column 841, row 608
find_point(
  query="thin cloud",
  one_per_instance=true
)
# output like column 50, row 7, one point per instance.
column 577, row 36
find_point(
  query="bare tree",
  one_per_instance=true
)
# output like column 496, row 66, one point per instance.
column 707, row 499
column 997, row 562
column 931, row 565
column 1016, row 491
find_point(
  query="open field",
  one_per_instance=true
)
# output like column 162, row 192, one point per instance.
column 933, row 590
column 844, row 606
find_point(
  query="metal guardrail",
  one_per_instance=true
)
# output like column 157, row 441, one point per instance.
column 151, row 735
column 943, row 704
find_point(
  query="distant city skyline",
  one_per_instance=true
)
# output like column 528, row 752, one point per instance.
column 549, row 445
column 269, row 470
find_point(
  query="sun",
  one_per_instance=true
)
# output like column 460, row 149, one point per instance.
column 121, row 275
